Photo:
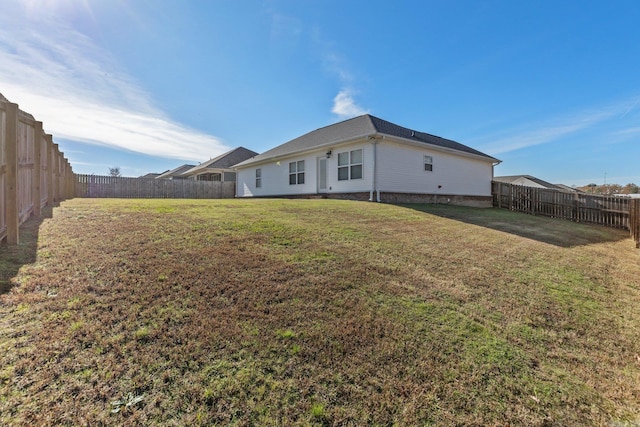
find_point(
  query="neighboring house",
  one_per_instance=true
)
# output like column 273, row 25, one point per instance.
column 527, row 181
column 367, row 158
column 221, row 167
column 152, row 175
column 175, row 173
column 567, row 188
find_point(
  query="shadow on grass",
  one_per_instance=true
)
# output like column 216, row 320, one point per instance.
column 557, row 232
column 12, row 257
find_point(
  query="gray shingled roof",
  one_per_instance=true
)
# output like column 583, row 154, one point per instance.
column 175, row 172
column 223, row 161
column 358, row 127
column 513, row 178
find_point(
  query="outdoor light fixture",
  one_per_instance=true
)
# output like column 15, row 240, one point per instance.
column 329, row 154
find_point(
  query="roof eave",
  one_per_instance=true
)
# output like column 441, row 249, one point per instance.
column 443, row 149
column 206, row 170
column 276, row 158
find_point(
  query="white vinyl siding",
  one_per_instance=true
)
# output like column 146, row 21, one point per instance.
column 275, row 175
column 401, row 168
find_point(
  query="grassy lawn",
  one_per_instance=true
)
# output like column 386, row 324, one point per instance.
column 317, row 312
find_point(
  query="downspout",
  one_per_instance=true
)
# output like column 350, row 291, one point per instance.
column 374, row 187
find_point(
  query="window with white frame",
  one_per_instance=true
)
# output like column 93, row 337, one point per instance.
column 258, row 178
column 350, row 165
column 296, row 172
column 428, row 163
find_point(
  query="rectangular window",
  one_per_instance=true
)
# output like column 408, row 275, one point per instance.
column 350, row 165
column 296, row 172
column 258, row 178
column 428, row 163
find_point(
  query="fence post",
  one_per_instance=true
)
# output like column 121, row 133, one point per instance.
column 510, row 197
column 62, row 179
column 56, row 176
column 634, row 220
column 11, row 155
column 50, row 196
column 69, row 180
column 37, row 150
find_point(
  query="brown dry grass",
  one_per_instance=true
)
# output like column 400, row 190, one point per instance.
column 319, row 312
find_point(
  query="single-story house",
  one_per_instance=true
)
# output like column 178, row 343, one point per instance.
column 175, row 173
column 528, row 181
column 367, row 158
column 220, row 168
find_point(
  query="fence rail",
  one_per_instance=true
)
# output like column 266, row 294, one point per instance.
column 33, row 171
column 143, row 188
column 610, row 211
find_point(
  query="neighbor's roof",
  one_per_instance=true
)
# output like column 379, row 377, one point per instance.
column 151, row 175
column 567, row 188
column 223, row 161
column 513, row 178
column 175, row 172
column 361, row 126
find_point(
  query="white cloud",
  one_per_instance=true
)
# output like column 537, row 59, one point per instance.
column 344, row 103
column 543, row 133
column 80, row 93
column 629, row 131
column 345, row 106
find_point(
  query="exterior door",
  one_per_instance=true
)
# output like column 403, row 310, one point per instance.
column 322, row 174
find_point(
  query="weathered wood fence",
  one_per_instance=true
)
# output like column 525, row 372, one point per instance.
column 143, row 188
column 33, row 171
column 634, row 221
column 610, row 211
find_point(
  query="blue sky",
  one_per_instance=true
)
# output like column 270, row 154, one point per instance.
column 551, row 88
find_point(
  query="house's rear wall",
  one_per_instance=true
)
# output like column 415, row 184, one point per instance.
column 401, row 170
column 275, row 179
column 275, row 175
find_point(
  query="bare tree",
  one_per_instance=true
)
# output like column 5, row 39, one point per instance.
column 631, row 188
column 115, row 171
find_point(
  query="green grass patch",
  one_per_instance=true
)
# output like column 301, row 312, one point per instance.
column 317, row 312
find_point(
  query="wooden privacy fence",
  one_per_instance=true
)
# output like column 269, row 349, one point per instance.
column 144, row 188
column 634, row 221
column 611, row 211
column 33, row 171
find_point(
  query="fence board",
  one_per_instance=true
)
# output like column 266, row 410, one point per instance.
column 610, row 211
column 26, row 164
column 634, row 214
column 145, row 188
